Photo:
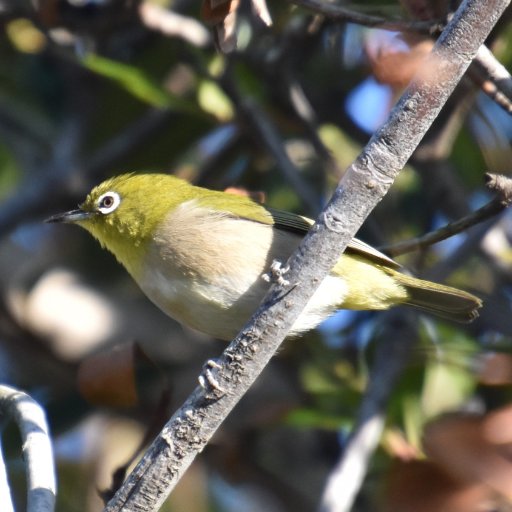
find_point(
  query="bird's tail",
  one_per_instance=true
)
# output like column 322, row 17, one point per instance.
column 438, row 299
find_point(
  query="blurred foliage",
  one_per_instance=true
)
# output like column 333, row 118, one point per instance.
column 89, row 89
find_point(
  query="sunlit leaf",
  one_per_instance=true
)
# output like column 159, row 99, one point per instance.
column 214, row 101
column 312, row 418
column 137, row 83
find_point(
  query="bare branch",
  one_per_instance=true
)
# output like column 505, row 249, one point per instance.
column 493, row 78
column 503, row 188
column 36, row 446
column 305, row 112
column 337, row 12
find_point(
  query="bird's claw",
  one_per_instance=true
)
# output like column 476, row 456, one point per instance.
column 276, row 273
column 207, row 379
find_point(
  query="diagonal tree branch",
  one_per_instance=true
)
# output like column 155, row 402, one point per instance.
column 363, row 186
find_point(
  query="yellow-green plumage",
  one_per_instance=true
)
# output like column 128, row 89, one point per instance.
column 200, row 254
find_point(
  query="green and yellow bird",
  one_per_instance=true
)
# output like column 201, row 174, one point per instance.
column 200, row 255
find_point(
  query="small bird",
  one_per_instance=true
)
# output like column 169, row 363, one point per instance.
column 200, row 255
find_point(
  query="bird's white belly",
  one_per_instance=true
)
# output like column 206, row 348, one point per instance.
column 222, row 308
column 205, row 269
column 216, row 308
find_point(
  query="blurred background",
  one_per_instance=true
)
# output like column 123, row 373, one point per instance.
column 93, row 88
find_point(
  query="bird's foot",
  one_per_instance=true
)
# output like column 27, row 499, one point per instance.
column 276, row 273
column 207, row 379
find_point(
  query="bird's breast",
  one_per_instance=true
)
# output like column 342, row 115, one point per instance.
column 204, row 269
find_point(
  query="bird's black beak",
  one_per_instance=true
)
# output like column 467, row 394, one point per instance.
column 70, row 217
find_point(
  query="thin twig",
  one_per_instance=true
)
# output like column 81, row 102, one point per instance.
column 365, row 183
column 305, row 112
column 493, row 78
column 337, row 12
column 271, row 139
column 36, row 446
column 499, row 184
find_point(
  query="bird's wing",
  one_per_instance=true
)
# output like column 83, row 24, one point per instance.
column 301, row 225
column 246, row 208
column 290, row 221
column 358, row 247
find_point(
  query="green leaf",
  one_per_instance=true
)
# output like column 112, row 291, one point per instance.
column 213, row 100
column 312, row 418
column 137, row 83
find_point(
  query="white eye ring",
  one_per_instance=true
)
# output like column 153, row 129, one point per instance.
column 108, row 202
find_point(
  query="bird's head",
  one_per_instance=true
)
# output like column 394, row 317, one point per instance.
column 123, row 212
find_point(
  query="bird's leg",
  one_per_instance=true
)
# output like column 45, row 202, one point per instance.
column 276, row 273
column 207, row 379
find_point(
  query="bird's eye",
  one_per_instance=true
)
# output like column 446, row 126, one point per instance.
column 108, row 202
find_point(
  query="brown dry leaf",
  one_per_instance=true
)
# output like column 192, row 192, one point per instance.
column 216, row 11
column 422, row 486
column 47, row 12
column 255, row 195
column 394, row 66
column 459, row 444
column 495, row 369
column 222, row 16
column 108, row 378
column 497, row 426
